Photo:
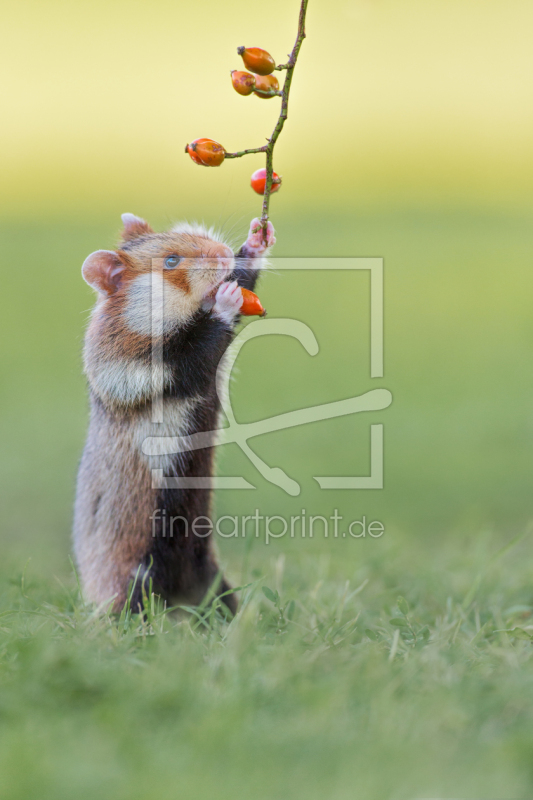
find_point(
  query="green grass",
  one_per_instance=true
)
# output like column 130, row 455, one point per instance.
column 407, row 681
column 311, row 706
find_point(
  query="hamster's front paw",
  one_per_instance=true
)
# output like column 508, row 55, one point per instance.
column 255, row 244
column 228, row 302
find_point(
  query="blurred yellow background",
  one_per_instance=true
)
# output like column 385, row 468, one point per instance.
column 393, row 102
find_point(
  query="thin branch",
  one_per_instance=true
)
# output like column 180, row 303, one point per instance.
column 289, row 67
column 268, row 149
column 246, row 152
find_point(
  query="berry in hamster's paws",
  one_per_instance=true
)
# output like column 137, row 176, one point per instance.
column 228, row 301
column 255, row 243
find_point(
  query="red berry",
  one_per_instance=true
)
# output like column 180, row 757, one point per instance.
column 265, row 86
column 258, row 181
column 206, row 152
column 251, row 304
column 243, row 82
column 257, row 60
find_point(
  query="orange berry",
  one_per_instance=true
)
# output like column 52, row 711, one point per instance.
column 206, row 152
column 243, row 82
column 265, row 86
column 258, row 181
column 257, row 60
column 190, row 149
column 251, row 304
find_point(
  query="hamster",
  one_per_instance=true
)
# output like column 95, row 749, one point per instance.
column 122, row 526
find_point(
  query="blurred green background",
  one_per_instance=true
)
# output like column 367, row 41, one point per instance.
column 408, row 138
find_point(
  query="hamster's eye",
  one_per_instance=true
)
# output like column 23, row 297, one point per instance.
column 171, row 262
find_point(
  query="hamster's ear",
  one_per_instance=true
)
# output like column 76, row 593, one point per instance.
column 133, row 227
column 103, row 270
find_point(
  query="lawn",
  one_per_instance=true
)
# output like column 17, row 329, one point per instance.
column 319, row 687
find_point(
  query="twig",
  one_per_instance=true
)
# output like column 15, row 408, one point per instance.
column 246, row 152
column 269, row 148
column 283, row 115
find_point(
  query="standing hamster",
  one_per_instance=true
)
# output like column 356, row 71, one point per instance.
column 125, row 531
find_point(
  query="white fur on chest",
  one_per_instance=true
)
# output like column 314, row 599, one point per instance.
column 177, row 421
column 154, row 306
column 128, row 381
